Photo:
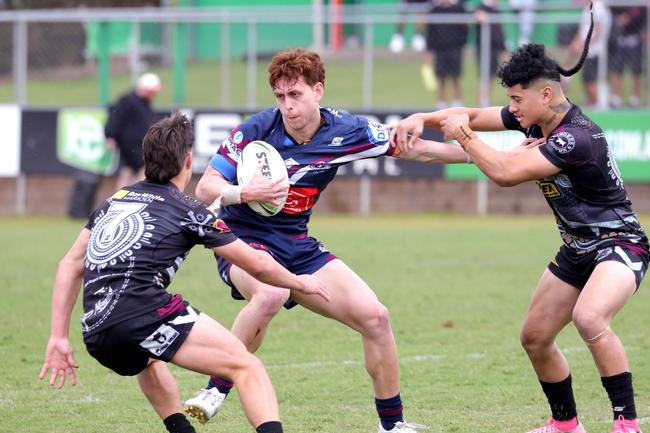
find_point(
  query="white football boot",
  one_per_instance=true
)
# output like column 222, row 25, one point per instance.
column 205, row 404
column 403, row 427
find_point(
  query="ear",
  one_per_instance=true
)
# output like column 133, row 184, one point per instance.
column 188, row 160
column 547, row 94
column 319, row 89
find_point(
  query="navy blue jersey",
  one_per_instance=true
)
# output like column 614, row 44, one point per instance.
column 342, row 138
column 139, row 238
column 587, row 195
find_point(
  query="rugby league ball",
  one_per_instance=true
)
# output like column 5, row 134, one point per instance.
column 258, row 154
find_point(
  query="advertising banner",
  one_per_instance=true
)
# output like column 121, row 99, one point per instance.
column 81, row 142
column 10, row 140
column 627, row 132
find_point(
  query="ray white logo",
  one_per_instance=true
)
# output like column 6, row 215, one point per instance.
column 117, row 233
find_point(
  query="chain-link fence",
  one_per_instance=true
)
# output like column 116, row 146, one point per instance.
column 424, row 55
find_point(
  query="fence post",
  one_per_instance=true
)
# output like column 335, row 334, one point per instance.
column 104, row 63
column 251, row 98
column 367, row 65
column 20, row 62
column 225, row 62
column 134, row 52
column 180, row 47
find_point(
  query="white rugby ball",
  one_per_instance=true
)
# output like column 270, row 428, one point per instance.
column 272, row 167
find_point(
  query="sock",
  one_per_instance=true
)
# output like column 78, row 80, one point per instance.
column 270, row 427
column 621, row 394
column 560, row 399
column 390, row 411
column 223, row 385
column 177, row 423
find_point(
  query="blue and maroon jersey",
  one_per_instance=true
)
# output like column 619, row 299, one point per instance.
column 587, row 195
column 342, row 138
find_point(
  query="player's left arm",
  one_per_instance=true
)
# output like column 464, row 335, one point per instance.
column 504, row 168
column 434, row 152
column 67, row 285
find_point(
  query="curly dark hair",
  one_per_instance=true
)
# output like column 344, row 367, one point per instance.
column 530, row 62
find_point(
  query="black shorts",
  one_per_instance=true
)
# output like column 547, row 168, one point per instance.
column 627, row 56
column 447, row 63
column 126, row 347
column 590, row 68
column 575, row 269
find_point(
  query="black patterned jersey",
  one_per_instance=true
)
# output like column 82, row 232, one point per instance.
column 139, row 238
column 587, row 195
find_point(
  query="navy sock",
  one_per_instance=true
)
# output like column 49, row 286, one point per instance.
column 560, row 399
column 177, row 423
column 390, row 411
column 621, row 394
column 223, row 385
column 270, row 427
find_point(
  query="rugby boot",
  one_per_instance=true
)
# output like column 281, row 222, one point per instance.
column 551, row 427
column 622, row 425
column 403, row 427
column 205, row 404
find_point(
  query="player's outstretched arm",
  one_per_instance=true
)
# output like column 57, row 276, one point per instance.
column 67, row 284
column 505, row 168
column 408, row 130
column 435, row 152
column 264, row 268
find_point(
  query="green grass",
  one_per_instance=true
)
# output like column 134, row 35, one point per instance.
column 396, row 84
column 457, row 288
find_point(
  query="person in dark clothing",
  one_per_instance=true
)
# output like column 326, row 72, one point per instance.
column 497, row 45
column 446, row 42
column 127, row 256
column 128, row 122
column 626, row 48
column 604, row 252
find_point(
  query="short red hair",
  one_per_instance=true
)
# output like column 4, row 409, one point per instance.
column 296, row 63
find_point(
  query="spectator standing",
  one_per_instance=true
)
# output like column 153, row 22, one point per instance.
column 629, row 30
column 526, row 11
column 602, row 22
column 446, row 42
column 497, row 40
column 128, row 122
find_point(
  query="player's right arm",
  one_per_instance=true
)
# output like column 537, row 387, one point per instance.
column 67, row 285
column 404, row 134
column 264, row 268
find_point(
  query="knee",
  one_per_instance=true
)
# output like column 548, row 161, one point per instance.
column 588, row 322
column 248, row 364
column 376, row 321
column 269, row 302
column 534, row 339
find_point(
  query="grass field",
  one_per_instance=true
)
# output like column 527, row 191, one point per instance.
column 396, row 84
column 457, row 288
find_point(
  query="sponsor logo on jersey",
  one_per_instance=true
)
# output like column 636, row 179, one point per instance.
column 563, row 142
column 220, row 226
column 604, row 253
column 336, row 141
column 549, row 189
column 238, row 137
column 300, row 200
column 120, row 194
column 232, row 151
column 377, row 133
